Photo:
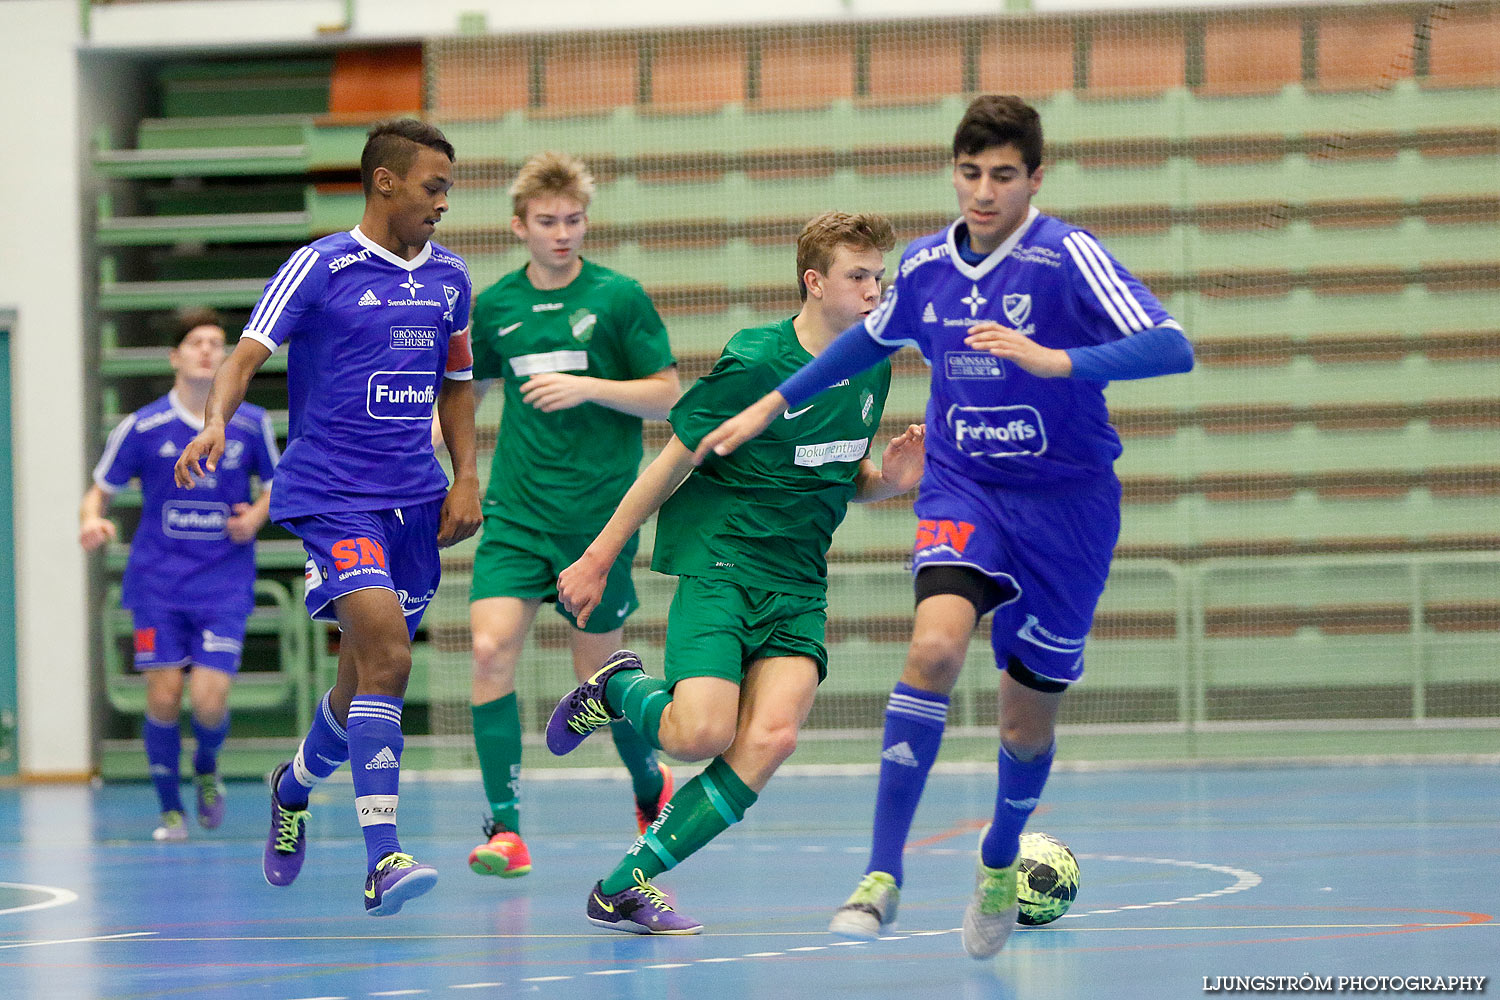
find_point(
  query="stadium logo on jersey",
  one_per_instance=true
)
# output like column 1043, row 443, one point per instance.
column 582, row 324
column 339, row 263
column 369, row 298
column 450, row 295
column 942, row 534
column 400, row 395
column 997, row 431
column 974, row 300
column 357, row 555
column 929, row 315
column 811, row 456
column 413, row 338
column 921, row 257
column 972, row 364
column 1018, row 310
column 866, row 406
column 201, row 520
column 167, row 450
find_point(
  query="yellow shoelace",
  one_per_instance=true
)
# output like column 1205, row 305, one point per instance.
column 654, row 895
column 591, row 716
column 287, row 829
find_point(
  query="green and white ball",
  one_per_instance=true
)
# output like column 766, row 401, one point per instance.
column 1048, row 880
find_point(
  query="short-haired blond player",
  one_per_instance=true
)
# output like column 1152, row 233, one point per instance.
column 748, row 539
column 583, row 358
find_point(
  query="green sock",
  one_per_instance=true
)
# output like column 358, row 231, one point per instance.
column 497, row 737
column 699, row 811
column 641, row 700
column 640, row 760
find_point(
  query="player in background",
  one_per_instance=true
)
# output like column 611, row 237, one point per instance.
column 1023, row 319
column 375, row 320
column 748, row 538
column 190, row 580
column 583, row 358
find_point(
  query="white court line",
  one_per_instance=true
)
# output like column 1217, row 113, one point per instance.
column 1243, row 879
column 60, row 897
column 82, row 940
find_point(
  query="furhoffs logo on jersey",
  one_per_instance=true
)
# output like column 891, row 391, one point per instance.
column 997, row 431
column 200, row 520
column 401, row 395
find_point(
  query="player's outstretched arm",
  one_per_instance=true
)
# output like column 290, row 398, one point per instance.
column 742, row 427
column 581, row 585
column 460, row 516
column 900, row 467
column 94, row 529
column 224, row 398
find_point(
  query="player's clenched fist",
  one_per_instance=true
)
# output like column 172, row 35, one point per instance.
column 581, row 586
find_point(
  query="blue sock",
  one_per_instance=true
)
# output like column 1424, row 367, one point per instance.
column 206, row 755
column 375, row 744
column 323, row 749
column 914, row 721
column 1021, row 783
column 163, row 753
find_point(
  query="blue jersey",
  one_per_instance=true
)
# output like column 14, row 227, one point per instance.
column 369, row 342
column 987, row 419
column 182, row 556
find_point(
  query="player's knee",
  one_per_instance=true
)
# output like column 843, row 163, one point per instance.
column 933, row 661
column 384, row 668
column 773, row 743
column 495, row 656
column 703, row 738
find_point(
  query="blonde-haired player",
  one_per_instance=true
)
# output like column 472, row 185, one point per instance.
column 583, row 358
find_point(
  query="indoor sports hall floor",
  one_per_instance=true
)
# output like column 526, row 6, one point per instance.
column 1352, row 871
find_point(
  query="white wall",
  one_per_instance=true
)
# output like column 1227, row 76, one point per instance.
column 41, row 276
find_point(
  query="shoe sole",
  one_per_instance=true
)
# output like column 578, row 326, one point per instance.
column 857, row 930
column 482, row 862
column 403, row 892
column 630, row 927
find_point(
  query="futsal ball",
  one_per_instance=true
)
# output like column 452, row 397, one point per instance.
column 1048, row 879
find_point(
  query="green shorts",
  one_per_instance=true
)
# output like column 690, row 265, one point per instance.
column 718, row 629
column 516, row 561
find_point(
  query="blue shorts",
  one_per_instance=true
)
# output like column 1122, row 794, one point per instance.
column 1049, row 553
column 170, row 638
column 355, row 550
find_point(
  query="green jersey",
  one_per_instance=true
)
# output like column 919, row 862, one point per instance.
column 565, row 471
column 764, row 516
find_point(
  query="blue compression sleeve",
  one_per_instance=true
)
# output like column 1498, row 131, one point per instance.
column 1158, row 351
column 851, row 352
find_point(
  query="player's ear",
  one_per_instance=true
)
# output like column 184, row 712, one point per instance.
column 1036, row 178
column 518, row 226
column 814, row 282
column 383, row 180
